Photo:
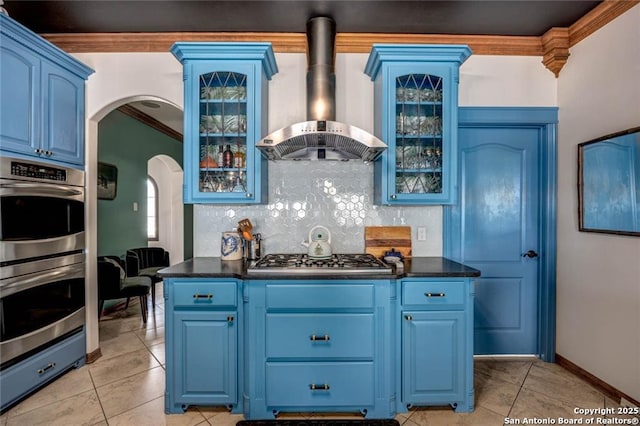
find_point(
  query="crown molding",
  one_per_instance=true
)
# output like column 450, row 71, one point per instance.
column 479, row 44
column 555, row 44
column 150, row 121
column 597, row 18
column 288, row 42
column 162, row 42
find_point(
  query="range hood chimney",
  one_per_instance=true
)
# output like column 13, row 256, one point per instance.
column 321, row 137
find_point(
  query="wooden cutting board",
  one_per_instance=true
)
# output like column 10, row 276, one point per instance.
column 379, row 239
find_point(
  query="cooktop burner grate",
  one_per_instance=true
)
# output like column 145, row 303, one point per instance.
column 303, row 264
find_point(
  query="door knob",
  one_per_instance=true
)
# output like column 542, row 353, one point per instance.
column 531, row 254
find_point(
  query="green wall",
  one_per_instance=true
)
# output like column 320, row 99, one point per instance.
column 128, row 144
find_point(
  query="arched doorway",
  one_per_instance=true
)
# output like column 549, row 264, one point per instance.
column 91, row 159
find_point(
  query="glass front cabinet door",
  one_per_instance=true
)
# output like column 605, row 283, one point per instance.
column 225, row 114
column 416, row 110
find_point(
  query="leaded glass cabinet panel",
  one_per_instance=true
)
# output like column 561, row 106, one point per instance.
column 418, row 154
column 225, row 90
column 416, row 102
column 223, row 132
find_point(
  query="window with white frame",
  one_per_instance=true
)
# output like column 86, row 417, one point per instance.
column 152, row 209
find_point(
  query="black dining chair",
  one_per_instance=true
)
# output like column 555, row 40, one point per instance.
column 147, row 261
column 113, row 283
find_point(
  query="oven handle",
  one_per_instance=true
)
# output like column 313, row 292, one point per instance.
column 34, row 279
column 44, row 188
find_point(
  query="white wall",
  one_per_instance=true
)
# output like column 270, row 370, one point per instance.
column 167, row 174
column 598, row 280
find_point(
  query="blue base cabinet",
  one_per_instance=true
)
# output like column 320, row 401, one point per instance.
column 266, row 347
column 42, row 98
column 202, row 335
column 225, row 110
column 437, row 343
column 22, row 378
column 416, row 105
column 319, row 346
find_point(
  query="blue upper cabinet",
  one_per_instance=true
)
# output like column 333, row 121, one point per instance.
column 42, row 98
column 416, row 109
column 225, row 114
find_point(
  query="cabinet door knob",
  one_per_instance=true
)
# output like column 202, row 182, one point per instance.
column 230, row 318
column 408, row 317
column 394, row 196
column 249, row 195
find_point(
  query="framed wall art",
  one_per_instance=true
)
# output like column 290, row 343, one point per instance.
column 107, row 181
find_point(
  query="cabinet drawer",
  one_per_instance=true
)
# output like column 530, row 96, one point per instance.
column 24, row 377
column 433, row 293
column 320, row 336
column 319, row 296
column 204, row 293
column 291, row 384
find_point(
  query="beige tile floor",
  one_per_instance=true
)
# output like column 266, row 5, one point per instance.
column 126, row 386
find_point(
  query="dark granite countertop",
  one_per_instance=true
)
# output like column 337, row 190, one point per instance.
column 416, row 267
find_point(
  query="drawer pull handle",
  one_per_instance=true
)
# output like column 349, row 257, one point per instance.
column 434, row 294
column 47, row 368
column 230, row 318
column 408, row 317
column 314, row 387
column 203, row 296
column 324, row 338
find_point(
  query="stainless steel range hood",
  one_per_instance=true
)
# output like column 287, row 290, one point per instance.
column 321, row 137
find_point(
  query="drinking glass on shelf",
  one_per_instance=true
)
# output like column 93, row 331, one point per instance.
column 437, row 161
column 207, row 183
column 429, row 161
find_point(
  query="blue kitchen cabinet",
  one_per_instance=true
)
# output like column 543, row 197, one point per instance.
column 225, row 108
column 202, row 335
column 437, row 343
column 416, row 110
column 42, row 98
column 319, row 346
column 26, row 376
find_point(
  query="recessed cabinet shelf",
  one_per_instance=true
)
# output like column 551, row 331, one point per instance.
column 416, row 100
column 225, row 114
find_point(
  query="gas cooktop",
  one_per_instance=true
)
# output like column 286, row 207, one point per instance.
column 303, row 264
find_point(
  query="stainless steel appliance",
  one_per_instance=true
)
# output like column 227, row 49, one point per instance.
column 42, row 259
column 41, row 210
column 321, row 137
column 39, row 309
column 302, row 264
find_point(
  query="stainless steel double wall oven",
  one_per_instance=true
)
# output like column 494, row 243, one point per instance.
column 42, row 256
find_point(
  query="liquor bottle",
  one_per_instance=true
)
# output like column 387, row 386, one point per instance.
column 220, row 156
column 227, row 160
column 238, row 159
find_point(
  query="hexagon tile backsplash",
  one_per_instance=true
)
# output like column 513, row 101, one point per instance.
column 303, row 194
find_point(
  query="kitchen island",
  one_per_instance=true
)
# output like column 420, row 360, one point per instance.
column 374, row 344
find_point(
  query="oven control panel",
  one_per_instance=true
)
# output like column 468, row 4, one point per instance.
column 38, row 171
